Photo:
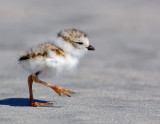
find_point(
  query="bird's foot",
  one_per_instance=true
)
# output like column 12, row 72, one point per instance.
column 62, row 90
column 38, row 104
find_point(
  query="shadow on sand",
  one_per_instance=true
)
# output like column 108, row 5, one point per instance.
column 18, row 101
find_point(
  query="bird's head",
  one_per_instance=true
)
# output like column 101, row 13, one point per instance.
column 75, row 41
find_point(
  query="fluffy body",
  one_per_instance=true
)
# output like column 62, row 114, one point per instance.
column 57, row 56
column 52, row 58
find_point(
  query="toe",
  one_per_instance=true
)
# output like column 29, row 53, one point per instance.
column 38, row 104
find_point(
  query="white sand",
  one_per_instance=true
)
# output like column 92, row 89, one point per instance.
column 119, row 83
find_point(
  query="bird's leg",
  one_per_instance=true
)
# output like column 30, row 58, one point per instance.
column 32, row 102
column 57, row 89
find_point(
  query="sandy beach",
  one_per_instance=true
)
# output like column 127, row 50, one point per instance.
column 119, row 83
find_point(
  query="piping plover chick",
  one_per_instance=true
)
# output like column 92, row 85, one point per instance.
column 52, row 58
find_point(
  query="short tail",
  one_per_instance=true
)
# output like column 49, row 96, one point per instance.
column 23, row 58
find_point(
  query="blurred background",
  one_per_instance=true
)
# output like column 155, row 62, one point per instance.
column 125, row 66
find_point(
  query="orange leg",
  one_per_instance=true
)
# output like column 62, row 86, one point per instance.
column 57, row 89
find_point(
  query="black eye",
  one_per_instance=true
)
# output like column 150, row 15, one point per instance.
column 80, row 43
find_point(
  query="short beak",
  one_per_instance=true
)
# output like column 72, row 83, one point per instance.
column 90, row 47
